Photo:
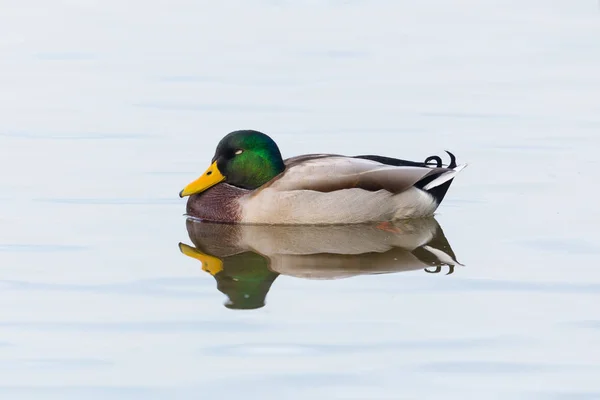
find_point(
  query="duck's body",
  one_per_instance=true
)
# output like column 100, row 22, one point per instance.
column 318, row 189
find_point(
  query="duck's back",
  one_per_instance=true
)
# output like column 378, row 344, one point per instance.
column 332, row 189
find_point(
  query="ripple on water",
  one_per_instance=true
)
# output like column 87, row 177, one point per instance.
column 174, row 288
column 66, row 363
column 287, row 349
column 147, row 327
column 487, row 367
column 79, row 136
column 250, row 108
column 562, row 245
column 39, row 248
column 111, row 201
column 583, row 395
column 65, row 56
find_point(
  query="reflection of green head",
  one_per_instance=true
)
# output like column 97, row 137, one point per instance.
column 246, row 280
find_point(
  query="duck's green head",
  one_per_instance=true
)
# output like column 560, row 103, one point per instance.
column 246, row 159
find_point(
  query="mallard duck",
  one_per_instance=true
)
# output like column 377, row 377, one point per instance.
column 249, row 182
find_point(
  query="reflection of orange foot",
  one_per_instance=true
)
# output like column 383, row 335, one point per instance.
column 388, row 227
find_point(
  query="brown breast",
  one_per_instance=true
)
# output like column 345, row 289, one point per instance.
column 218, row 204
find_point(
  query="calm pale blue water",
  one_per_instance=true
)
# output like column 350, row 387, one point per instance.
column 109, row 108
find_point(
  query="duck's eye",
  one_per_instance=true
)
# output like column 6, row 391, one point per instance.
column 238, row 152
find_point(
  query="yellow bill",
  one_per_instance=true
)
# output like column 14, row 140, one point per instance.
column 209, row 178
column 210, row 264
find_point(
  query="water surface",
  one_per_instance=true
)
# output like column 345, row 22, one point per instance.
column 110, row 108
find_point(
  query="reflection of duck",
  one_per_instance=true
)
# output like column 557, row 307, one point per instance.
column 249, row 182
column 246, row 259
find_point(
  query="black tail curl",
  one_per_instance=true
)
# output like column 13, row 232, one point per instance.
column 431, row 161
column 439, row 163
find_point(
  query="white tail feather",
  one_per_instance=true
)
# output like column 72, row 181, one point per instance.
column 445, row 177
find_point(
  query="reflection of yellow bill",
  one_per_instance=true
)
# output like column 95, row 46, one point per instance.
column 209, row 178
column 210, row 264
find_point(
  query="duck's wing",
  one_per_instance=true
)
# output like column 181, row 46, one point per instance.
column 328, row 172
